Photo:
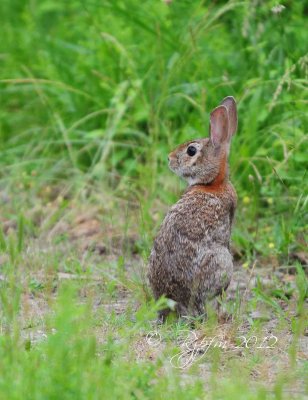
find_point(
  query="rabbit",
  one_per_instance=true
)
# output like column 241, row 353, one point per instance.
column 190, row 261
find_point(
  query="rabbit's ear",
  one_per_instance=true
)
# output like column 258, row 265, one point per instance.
column 219, row 126
column 230, row 103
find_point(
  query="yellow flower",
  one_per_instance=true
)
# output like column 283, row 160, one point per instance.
column 246, row 200
column 271, row 245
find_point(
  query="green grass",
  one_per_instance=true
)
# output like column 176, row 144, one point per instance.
column 93, row 97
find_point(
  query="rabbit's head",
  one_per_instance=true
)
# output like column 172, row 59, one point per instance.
column 204, row 161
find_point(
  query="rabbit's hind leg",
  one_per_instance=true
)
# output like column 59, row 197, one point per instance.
column 214, row 275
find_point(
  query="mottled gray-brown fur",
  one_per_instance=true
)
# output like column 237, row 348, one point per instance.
column 191, row 262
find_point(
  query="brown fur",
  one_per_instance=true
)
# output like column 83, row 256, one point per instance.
column 219, row 183
column 190, row 262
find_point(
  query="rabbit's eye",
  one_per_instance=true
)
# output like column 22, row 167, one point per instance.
column 191, row 150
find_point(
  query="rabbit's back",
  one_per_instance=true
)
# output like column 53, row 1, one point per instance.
column 198, row 224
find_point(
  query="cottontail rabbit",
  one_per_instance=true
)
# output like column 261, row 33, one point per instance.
column 190, row 262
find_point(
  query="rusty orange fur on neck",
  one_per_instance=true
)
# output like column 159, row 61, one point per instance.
column 218, row 184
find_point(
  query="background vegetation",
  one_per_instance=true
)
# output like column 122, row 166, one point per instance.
column 94, row 95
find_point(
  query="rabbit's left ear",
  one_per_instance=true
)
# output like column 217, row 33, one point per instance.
column 219, row 126
column 230, row 104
